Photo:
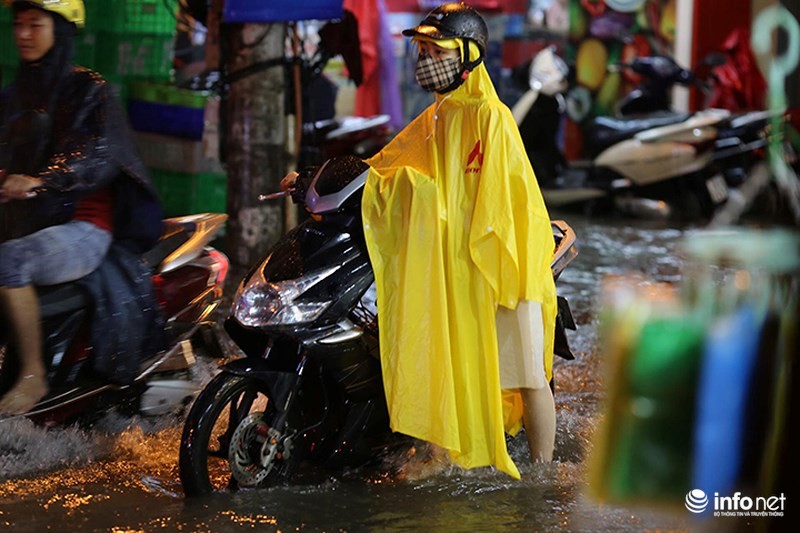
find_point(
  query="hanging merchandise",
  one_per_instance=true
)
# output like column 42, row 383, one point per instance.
column 748, row 283
column 643, row 451
column 281, row 10
column 698, row 374
column 729, row 358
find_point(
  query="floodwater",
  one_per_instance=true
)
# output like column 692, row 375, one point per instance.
column 122, row 474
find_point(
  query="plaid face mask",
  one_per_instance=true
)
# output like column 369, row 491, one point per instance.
column 437, row 74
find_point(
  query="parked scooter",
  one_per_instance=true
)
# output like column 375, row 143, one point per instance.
column 310, row 388
column 659, row 163
column 188, row 277
column 340, row 136
column 659, row 75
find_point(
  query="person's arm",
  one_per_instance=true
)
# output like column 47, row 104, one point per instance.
column 83, row 156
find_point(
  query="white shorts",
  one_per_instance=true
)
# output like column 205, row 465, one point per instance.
column 520, row 340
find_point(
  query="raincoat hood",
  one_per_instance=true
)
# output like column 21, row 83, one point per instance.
column 455, row 226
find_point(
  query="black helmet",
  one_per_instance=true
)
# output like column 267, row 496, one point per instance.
column 450, row 21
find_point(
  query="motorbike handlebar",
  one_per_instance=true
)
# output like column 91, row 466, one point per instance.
column 273, row 195
column 297, row 191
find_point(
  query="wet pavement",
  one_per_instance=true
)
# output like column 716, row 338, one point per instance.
column 121, row 475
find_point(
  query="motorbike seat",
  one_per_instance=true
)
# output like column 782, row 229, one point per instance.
column 59, row 299
column 607, row 131
column 68, row 297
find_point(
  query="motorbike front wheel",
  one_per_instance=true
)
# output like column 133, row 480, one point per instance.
column 225, row 437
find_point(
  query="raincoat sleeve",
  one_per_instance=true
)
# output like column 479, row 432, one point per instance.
column 404, row 236
column 511, row 240
column 404, row 149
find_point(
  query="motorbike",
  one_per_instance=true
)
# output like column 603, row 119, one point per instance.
column 171, row 319
column 338, row 136
column 658, row 163
column 309, row 390
column 659, row 75
column 188, row 277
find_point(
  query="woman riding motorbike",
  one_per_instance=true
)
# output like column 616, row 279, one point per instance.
column 66, row 162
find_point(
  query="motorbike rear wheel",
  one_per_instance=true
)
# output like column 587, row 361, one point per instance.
column 212, row 448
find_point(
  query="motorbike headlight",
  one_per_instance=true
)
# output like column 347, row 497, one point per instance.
column 266, row 303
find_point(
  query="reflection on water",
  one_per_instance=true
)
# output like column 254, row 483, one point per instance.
column 122, row 475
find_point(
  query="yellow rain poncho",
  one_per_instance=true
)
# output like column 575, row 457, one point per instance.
column 456, row 225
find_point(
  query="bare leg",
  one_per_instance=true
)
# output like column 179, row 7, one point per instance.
column 539, row 417
column 21, row 307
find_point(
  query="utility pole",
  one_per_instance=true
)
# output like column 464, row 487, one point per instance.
column 254, row 133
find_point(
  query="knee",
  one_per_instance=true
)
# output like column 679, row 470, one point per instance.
column 14, row 271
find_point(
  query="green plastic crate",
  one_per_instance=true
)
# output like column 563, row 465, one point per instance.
column 166, row 93
column 183, row 193
column 85, row 49
column 176, row 154
column 8, row 50
column 132, row 16
column 134, row 55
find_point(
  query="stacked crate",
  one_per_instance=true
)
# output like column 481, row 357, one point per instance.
column 176, row 135
column 8, row 52
column 127, row 40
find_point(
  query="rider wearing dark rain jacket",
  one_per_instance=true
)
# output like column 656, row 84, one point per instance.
column 71, row 185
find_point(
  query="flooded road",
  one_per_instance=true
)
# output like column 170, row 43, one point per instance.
column 122, row 474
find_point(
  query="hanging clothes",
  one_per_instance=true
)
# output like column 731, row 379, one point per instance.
column 456, row 225
column 379, row 92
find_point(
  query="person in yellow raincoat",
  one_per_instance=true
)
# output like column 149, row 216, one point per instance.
column 460, row 242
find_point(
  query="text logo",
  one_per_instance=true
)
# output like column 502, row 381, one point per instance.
column 475, row 155
column 696, row 501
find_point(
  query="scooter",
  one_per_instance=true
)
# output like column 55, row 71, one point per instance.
column 659, row 75
column 662, row 163
column 309, row 390
column 339, row 136
column 188, row 277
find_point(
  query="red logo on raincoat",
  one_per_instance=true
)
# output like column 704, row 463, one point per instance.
column 473, row 155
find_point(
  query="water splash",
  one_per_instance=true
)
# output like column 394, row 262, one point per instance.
column 26, row 449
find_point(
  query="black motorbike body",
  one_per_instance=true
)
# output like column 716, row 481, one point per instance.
column 659, row 75
column 319, row 380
